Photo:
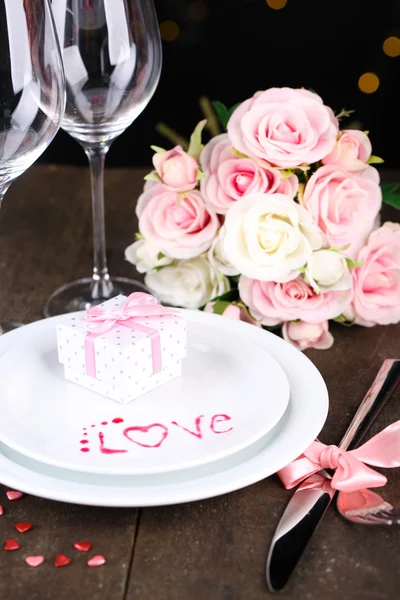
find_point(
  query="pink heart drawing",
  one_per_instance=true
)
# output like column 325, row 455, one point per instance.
column 146, row 430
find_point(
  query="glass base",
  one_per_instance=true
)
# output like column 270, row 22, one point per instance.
column 84, row 293
column 6, row 326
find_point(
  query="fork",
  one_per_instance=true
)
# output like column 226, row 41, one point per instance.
column 383, row 514
column 379, row 512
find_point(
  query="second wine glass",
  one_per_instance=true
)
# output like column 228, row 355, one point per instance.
column 112, row 61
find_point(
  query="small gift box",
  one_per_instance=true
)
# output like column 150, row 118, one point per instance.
column 124, row 347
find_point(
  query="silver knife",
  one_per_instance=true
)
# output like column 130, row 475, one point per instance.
column 307, row 507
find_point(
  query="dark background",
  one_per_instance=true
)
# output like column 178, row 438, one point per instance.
column 228, row 49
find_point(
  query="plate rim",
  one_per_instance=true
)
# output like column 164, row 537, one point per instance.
column 231, row 478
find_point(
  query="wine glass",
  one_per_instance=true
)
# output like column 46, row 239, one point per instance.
column 112, row 60
column 32, row 87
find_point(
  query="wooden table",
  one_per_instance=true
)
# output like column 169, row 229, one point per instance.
column 209, row 550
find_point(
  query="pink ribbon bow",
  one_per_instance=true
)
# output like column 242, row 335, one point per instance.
column 351, row 470
column 138, row 306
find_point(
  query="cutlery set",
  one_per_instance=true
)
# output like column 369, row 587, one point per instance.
column 309, row 504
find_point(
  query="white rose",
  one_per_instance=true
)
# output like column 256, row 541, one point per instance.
column 146, row 256
column 187, row 283
column 218, row 260
column 328, row 270
column 269, row 237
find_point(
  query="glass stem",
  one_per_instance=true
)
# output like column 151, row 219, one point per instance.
column 4, row 185
column 102, row 286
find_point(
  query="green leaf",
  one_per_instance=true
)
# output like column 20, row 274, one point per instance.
column 220, row 306
column 375, row 160
column 230, row 296
column 139, row 236
column 391, row 194
column 339, row 248
column 223, row 113
column 160, row 255
column 343, row 321
column 239, row 154
column 232, row 109
column 273, row 328
column 354, row 264
column 153, row 176
column 234, row 279
column 195, row 146
column 157, row 149
column 366, row 132
column 286, row 173
column 200, row 174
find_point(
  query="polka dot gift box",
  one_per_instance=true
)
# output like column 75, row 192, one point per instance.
column 124, row 347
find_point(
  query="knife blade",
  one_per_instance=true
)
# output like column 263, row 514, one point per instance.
column 307, row 507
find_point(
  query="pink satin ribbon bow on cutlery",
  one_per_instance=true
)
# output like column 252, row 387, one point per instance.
column 352, row 475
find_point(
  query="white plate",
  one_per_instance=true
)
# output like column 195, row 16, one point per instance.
column 230, row 395
column 300, row 425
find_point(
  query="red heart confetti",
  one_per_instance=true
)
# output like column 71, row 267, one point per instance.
column 34, row 561
column 82, row 546
column 61, row 560
column 1, row 510
column 23, row 527
column 11, row 544
column 13, row 495
column 96, row 561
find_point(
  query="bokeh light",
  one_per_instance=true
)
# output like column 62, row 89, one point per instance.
column 368, row 83
column 198, row 10
column 391, row 46
column 276, row 4
column 169, row 31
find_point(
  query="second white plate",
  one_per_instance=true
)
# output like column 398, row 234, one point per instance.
column 231, row 394
column 299, row 426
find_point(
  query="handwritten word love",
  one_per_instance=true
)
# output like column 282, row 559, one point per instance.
column 155, row 434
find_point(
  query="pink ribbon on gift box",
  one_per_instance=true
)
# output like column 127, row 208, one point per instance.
column 138, row 306
column 351, row 476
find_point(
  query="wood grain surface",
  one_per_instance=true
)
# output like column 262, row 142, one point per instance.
column 209, row 550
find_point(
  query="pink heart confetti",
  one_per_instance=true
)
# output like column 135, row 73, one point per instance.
column 13, row 495
column 23, row 527
column 1, row 510
column 11, row 544
column 61, row 560
column 82, row 546
column 34, row 561
column 96, row 561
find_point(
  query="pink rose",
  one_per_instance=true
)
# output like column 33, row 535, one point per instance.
column 229, row 178
column 343, row 204
column 233, row 311
column 276, row 302
column 176, row 169
column 286, row 127
column 180, row 228
column 217, row 151
column 377, row 282
column 308, row 335
column 351, row 151
column 289, row 186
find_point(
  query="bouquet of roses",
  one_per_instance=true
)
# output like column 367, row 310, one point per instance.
column 275, row 222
